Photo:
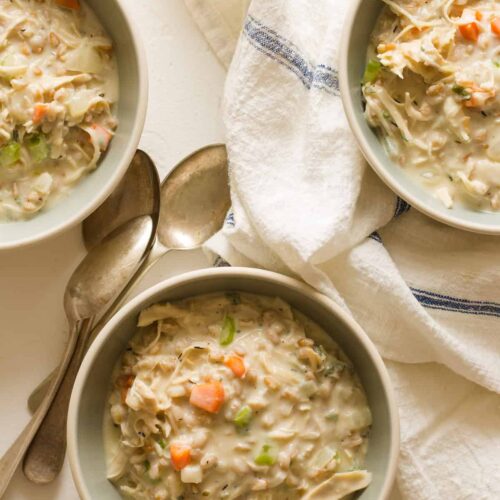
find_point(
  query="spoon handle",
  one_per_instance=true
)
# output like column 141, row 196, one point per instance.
column 14, row 455
column 39, row 392
column 45, row 456
column 156, row 252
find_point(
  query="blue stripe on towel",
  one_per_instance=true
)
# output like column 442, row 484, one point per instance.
column 401, row 207
column 433, row 300
column 284, row 52
column 230, row 222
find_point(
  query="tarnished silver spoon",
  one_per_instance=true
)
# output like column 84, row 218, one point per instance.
column 194, row 202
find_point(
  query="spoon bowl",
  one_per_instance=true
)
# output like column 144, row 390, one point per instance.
column 133, row 198
column 194, row 199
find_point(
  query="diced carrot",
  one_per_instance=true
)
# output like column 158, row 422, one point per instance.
column 39, row 112
column 69, row 4
column 102, row 135
column 495, row 26
column 469, row 31
column 479, row 15
column 180, row 456
column 124, row 383
column 208, row 396
column 236, row 364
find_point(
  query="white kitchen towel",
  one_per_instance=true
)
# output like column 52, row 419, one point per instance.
column 306, row 204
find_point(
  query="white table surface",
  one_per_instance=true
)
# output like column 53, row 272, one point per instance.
column 186, row 84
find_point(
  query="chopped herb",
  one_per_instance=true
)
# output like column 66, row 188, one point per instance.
column 147, row 465
column 228, row 331
column 372, row 71
column 162, row 443
column 496, row 63
column 462, row 92
column 334, row 368
column 484, row 114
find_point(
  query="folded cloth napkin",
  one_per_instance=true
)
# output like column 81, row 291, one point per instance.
column 305, row 203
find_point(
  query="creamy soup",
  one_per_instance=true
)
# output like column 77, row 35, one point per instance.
column 229, row 396
column 431, row 89
column 58, row 85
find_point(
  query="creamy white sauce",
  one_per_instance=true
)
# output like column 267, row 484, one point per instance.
column 58, row 86
column 435, row 100
column 294, row 424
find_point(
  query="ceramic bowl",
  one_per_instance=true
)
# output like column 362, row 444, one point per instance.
column 359, row 24
column 89, row 398
column 88, row 194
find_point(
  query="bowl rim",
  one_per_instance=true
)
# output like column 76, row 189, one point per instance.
column 128, row 152
column 237, row 272
column 371, row 158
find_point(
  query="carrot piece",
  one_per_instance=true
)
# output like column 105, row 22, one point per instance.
column 495, row 26
column 102, row 135
column 69, row 4
column 180, row 456
column 236, row 365
column 479, row 15
column 469, row 31
column 39, row 112
column 125, row 383
column 208, row 396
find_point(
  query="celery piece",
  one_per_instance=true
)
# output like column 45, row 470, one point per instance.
column 37, row 147
column 228, row 331
column 243, row 417
column 372, row 71
column 264, row 457
column 9, row 154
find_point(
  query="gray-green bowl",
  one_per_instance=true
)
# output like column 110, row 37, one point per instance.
column 87, row 195
column 88, row 401
column 358, row 26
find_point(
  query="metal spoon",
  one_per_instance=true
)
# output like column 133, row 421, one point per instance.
column 194, row 202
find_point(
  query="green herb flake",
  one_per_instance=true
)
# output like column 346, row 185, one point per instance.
column 372, row 71
column 228, row 331
column 147, row 465
column 461, row 91
column 162, row 443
